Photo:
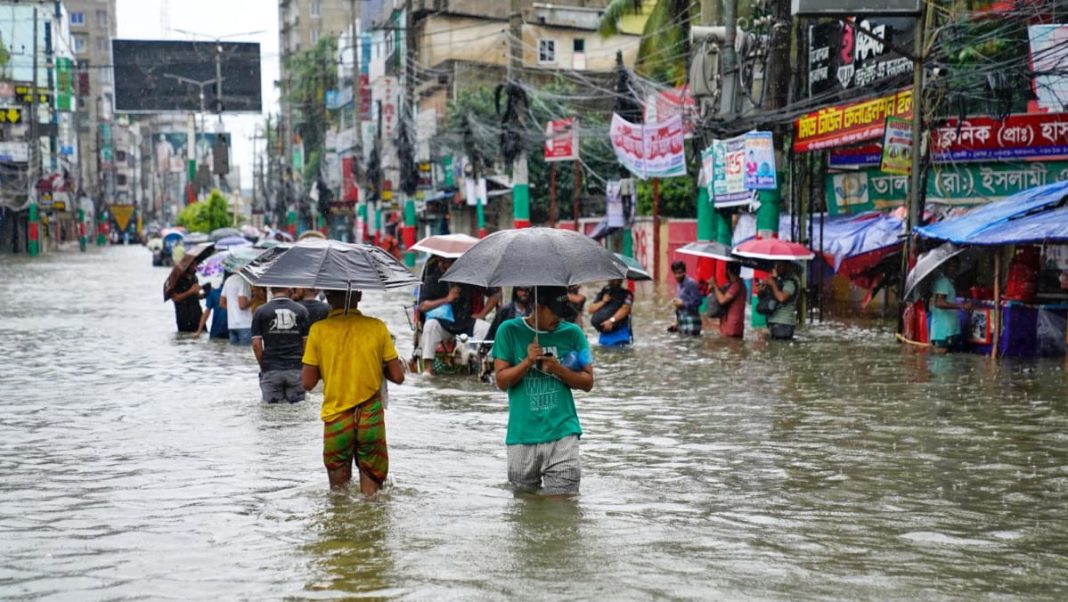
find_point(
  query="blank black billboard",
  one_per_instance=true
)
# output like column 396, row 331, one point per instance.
column 153, row 76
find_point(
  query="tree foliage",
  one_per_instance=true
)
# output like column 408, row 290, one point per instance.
column 665, row 43
column 314, row 71
column 206, row 215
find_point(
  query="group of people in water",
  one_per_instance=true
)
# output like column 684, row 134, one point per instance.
column 536, row 341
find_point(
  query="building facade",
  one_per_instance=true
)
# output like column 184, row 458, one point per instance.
column 93, row 24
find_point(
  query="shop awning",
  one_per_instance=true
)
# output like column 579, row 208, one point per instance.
column 991, row 223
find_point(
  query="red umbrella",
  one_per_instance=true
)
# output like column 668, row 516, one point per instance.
column 774, row 249
column 445, row 245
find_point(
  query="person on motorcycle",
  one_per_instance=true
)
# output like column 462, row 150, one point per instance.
column 443, row 323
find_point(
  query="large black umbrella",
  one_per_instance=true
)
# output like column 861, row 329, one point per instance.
column 535, row 257
column 328, row 265
column 927, row 265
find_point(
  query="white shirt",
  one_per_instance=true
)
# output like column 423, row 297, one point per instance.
column 237, row 318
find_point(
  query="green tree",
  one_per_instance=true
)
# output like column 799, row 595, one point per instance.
column 665, row 43
column 206, row 215
column 314, row 71
column 677, row 197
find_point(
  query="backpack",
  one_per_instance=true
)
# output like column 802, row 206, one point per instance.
column 714, row 308
column 767, row 304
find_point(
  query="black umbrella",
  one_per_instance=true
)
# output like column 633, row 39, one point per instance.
column 221, row 233
column 927, row 265
column 535, row 257
column 193, row 256
column 328, row 265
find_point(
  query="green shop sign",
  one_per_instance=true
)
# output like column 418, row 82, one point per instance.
column 975, row 184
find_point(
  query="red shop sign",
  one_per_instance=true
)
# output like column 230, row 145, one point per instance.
column 1030, row 136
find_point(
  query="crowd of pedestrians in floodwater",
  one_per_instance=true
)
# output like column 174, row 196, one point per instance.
column 533, row 343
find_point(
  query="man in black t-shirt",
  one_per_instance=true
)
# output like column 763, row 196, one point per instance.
column 317, row 310
column 279, row 331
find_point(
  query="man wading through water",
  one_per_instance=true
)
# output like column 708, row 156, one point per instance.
column 350, row 351
column 539, row 359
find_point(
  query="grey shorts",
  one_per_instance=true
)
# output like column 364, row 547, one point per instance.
column 281, row 385
column 552, row 468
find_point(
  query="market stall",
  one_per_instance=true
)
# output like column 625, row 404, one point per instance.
column 1017, row 252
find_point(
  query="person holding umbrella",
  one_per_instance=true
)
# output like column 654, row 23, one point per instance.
column 538, row 360
column 782, row 285
column 183, row 289
column 351, row 353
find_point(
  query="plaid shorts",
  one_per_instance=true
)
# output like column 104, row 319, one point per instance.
column 360, row 434
column 689, row 322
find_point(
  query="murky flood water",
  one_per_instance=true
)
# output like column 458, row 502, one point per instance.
column 137, row 463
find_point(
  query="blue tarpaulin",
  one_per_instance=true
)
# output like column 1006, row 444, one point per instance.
column 1018, row 219
column 846, row 236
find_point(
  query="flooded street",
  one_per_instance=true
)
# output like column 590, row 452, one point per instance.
column 137, row 463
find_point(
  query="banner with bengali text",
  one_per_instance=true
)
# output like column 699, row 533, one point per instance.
column 1029, row 136
column 651, row 150
column 963, row 185
column 849, row 123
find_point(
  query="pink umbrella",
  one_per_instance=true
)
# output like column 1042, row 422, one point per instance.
column 774, row 249
column 445, row 245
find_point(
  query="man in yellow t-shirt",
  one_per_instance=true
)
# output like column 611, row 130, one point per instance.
column 350, row 352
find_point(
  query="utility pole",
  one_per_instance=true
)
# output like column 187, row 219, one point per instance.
column 729, row 67
column 357, row 107
column 915, row 176
column 33, row 227
column 408, row 234
column 520, row 178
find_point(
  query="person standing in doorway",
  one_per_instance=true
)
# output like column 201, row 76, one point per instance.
column 945, row 333
column 237, row 301
column 279, row 330
column 351, row 353
column 538, row 360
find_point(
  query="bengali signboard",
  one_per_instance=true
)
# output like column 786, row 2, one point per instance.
column 897, row 146
column 651, row 150
column 859, row 191
column 842, row 57
column 760, row 161
column 849, row 123
column 1030, row 136
column 561, row 140
column 728, row 173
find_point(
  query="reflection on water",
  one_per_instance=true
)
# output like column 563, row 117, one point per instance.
column 140, row 463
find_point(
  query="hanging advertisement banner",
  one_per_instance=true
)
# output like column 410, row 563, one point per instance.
column 759, row 161
column 897, row 146
column 1029, row 136
column 708, row 171
column 653, row 150
column 561, row 140
column 964, row 185
column 728, row 173
column 665, row 104
column 849, row 123
column 842, row 57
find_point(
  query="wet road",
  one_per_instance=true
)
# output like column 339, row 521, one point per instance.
column 137, row 463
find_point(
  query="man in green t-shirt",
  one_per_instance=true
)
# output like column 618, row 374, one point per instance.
column 539, row 359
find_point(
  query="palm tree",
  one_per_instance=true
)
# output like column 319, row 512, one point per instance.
column 665, row 44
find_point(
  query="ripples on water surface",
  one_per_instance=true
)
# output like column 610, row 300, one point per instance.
column 137, row 463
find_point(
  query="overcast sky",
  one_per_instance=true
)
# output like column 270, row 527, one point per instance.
column 146, row 20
